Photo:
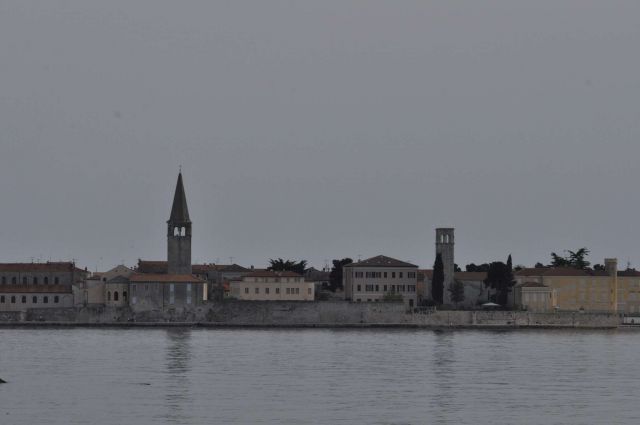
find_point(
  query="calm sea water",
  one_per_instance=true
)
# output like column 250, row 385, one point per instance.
column 240, row 376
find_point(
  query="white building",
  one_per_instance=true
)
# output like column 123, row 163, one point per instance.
column 272, row 286
column 379, row 279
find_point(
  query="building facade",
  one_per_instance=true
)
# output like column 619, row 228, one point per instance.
column 38, row 285
column 272, row 286
column 380, row 279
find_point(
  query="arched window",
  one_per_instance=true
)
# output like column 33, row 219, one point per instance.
column 108, row 295
column 13, row 280
column 183, row 231
column 45, row 300
column 46, row 280
column 115, row 296
column 34, row 300
column 56, row 299
column 24, row 299
column 56, row 280
column 13, row 299
column 176, row 231
column 24, row 280
column 124, row 295
column 35, row 280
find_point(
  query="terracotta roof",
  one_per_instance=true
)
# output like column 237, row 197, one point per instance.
column 380, row 261
column 560, row 271
column 35, row 289
column 531, row 272
column 470, row 275
column 160, row 267
column 269, row 273
column 164, row 278
column 39, row 267
column 629, row 273
column 532, row 285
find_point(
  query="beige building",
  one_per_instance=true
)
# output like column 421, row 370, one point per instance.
column 381, row 278
column 579, row 290
column 272, row 286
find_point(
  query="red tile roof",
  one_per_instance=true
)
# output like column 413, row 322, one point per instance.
column 35, row 289
column 380, row 261
column 559, row 271
column 269, row 273
column 163, row 278
column 39, row 267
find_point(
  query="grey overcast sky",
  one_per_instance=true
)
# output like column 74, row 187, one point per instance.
column 319, row 130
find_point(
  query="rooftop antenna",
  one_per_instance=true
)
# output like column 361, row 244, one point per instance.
column 231, row 260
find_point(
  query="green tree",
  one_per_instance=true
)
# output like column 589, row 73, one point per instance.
column 456, row 290
column 281, row 265
column 335, row 276
column 574, row 259
column 477, row 268
column 500, row 279
column 437, row 282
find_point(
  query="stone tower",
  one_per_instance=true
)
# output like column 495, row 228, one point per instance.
column 179, row 233
column 444, row 247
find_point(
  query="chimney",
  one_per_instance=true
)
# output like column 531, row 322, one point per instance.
column 611, row 266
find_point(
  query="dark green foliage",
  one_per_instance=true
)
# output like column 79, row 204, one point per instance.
column 477, row 268
column 335, row 277
column 598, row 267
column 437, row 283
column 456, row 268
column 575, row 259
column 281, row 265
column 392, row 297
column 456, row 290
column 500, row 279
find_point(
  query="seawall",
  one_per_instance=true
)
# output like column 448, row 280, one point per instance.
column 306, row 314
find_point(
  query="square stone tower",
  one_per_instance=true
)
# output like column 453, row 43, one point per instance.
column 444, row 247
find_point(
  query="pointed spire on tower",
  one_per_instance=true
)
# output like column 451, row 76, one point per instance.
column 179, row 210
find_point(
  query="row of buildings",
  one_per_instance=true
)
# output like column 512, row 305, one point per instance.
column 178, row 284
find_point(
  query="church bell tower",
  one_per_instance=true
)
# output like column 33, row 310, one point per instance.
column 179, row 233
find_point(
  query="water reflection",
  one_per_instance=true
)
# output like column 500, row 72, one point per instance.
column 178, row 365
column 443, row 373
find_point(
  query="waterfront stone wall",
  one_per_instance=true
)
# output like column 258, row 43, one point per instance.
column 327, row 313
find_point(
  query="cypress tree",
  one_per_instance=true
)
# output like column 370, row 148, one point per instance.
column 437, row 283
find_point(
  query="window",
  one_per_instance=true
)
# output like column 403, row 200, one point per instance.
column 400, row 275
column 277, row 290
column 45, row 300
column 288, row 291
column 2, row 299
column 297, row 291
column 35, row 280
column 359, row 288
column 188, row 293
column 385, row 275
column 13, row 280
column 34, row 300
column 56, row 299
column 115, row 296
column 172, row 293
column 377, row 288
column 108, row 295
column 124, row 295
column 393, row 275
column 46, row 280
column 4, row 280
column 308, row 291
column 133, row 290
column 257, row 290
column 246, row 290
column 13, row 299
column 384, row 288
column 266, row 291
column 24, row 280
column 411, row 275
column 56, row 280
column 24, row 299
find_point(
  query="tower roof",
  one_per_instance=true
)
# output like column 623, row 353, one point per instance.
column 179, row 210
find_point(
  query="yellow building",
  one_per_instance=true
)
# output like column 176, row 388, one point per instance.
column 272, row 286
column 570, row 289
